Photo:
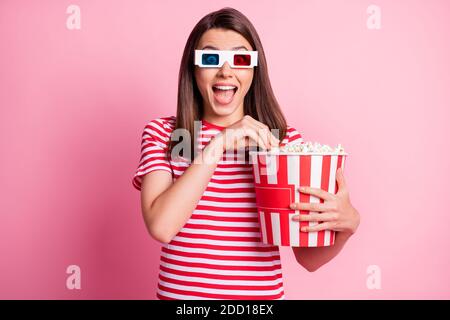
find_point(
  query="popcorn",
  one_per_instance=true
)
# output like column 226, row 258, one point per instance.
column 308, row 147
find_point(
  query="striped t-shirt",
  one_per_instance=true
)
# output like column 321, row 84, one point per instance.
column 218, row 254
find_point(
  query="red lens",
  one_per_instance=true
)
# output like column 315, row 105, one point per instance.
column 242, row 59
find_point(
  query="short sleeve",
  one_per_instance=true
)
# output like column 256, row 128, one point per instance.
column 155, row 140
column 292, row 137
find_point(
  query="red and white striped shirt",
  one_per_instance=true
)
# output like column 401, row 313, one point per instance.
column 218, row 254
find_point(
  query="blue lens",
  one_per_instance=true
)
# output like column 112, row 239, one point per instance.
column 210, row 59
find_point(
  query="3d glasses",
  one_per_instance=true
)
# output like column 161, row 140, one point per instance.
column 216, row 58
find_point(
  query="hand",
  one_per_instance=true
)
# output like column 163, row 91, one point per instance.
column 335, row 213
column 245, row 132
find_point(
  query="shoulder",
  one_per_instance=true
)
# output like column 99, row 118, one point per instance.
column 164, row 122
column 162, row 126
column 292, row 135
column 158, row 130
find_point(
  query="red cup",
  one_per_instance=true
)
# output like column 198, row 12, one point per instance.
column 277, row 179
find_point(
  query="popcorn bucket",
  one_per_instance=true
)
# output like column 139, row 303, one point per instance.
column 277, row 179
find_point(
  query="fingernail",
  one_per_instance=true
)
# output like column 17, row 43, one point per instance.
column 293, row 206
column 302, row 189
column 303, row 229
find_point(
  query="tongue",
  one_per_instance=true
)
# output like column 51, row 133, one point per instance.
column 224, row 96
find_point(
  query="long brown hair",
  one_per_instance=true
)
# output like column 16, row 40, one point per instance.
column 259, row 102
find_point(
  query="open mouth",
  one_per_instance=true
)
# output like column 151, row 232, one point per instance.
column 224, row 94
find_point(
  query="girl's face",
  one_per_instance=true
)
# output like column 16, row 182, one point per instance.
column 223, row 106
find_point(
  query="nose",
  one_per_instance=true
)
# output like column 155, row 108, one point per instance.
column 225, row 70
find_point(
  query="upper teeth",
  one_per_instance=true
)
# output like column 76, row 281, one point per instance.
column 225, row 87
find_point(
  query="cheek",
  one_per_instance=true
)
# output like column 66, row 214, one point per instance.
column 203, row 77
column 245, row 78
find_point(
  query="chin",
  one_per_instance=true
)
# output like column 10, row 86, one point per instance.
column 224, row 110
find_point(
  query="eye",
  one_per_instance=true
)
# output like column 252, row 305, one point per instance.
column 210, row 59
column 242, row 59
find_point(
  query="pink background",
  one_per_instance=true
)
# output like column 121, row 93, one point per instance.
column 74, row 104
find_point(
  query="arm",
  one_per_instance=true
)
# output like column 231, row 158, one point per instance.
column 336, row 213
column 167, row 205
column 313, row 258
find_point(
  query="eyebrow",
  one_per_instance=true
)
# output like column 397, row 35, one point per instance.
column 214, row 48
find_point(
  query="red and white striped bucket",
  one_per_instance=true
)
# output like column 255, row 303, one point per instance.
column 277, row 179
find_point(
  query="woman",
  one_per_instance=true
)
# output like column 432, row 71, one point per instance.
column 201, row 205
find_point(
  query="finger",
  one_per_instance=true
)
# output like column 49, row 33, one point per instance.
column 250, row 124
column 340, row 180
column 242, row 137
column 318, row 227
column 317, row 207
column 246, row 141
column 265, row 135
column 274, row 139
column 266, row 131
column 239, row 137
column 253, row 132
column 315, row 217
column 317, row 192
column 262, row 133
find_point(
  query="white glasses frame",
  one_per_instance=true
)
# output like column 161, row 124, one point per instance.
column 225, row 55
